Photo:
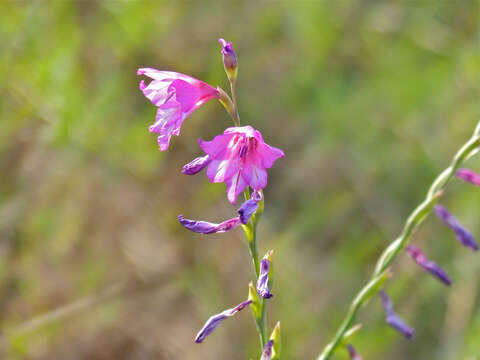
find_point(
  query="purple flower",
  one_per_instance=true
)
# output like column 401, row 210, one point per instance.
column 469, row 176
column 215, row 320
column 240, row 157
column 205, row 227
column 353, row 353
column 196, row 165
column 176, row 96
column 462, row 234
column 393, row 319
column 247, row 209
column 267, row 351
column 229, row 56
column 417, row 256
column 262, row 282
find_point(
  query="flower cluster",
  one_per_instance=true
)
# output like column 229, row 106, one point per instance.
column 239, row 157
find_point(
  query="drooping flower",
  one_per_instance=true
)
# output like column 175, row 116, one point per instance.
column 239, row 158
column 430, row 266
column 267, row 351
column 176, row 96
column 469, row 176
column 215, row 320
column 393, row 319
column 262, row 282
column 354, row 355
column 205, row 227
column 245, row 211
column 463, row 235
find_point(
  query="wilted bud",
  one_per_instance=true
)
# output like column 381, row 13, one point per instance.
column 353, row 353
column 463, row 235
column 393, row 319
column 417, row 256
column 263, row 277
column 229, row 59
column 469, row 176
column 196, row 165
column 215, row 320
column 205, row 227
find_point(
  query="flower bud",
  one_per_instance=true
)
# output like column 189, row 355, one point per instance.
column 463, row 236
column 229, row 59
column 267, row 351
column 196, row 165
column 246, row 210
column 354, row 355
column 469, row 176
column 430, row 266
column 205, row 227
column 263, row 280
column 215, row 320
column 393, row 319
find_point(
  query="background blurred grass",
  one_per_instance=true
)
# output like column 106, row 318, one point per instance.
column 369, row 100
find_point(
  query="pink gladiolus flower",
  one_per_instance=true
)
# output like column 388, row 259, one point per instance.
column 176, row 96
column 239, row 158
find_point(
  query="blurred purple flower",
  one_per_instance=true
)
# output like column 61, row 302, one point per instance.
column 240, row 157
column 262, row 282
column 229, row 56
column 215, row 320
column 393, row 319
column 176, row 96
column 353, row 353
column 463, row 235
column 430, row 266
column 469, row 176
column 267, row 351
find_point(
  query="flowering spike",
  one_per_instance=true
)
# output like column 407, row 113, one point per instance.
column 262, row 282
column 353, row 353
column 196, row 165
column 463, row 235
column 469, row 176
column 205, row 227
column 240, row 157
column 247, row 209
column 229, row 59
column 176, row 97
column 393, row 319
column 430, row 266
column 215, row 320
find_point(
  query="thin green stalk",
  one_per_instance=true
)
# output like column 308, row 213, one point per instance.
column 236, row 116
column 390, row 254
column 251, row 235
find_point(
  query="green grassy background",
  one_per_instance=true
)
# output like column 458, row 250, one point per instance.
column 369, row 100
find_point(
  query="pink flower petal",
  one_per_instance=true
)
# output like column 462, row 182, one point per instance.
column 235, row 185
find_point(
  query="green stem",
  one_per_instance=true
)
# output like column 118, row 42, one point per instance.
column 251, row 235
column 235, row 115
column 390, row 254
